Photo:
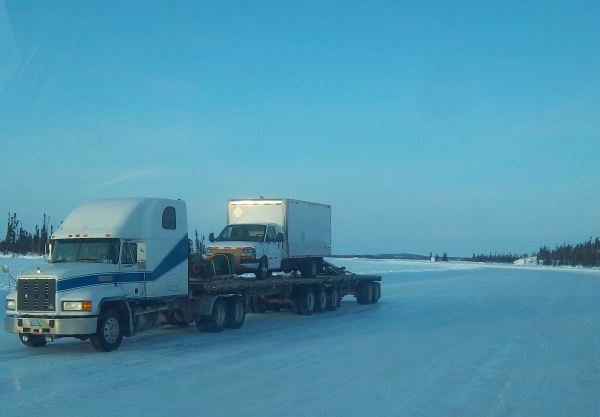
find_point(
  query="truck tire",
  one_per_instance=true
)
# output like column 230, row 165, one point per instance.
column 333, row 299
column 320, row 299
column 236, row 312
column 259, row 305
column 32, row 340
column 309, row 268
column 306, row 302
column 109, row 333
column 364, row 293
column 376, row 292
column 263, row 269
column 215, row 323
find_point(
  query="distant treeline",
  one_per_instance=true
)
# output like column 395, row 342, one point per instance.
column 585, row 254
column 582, row 254
column 498, row 257
column 18, row 240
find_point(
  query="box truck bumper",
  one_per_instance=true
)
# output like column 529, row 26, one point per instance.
column 51, row 326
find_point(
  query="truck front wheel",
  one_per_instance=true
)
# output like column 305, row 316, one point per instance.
column 109, row 333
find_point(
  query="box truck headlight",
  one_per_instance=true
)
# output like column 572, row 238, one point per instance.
column 11, row 305
column 209, row 251
column 77, row 305
column 248, row 253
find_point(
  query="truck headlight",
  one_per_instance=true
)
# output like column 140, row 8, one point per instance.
column 209, row 251
column 248, row 253
column 85, row 305
column 11, row 305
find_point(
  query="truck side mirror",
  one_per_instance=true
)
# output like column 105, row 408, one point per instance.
column 141, row 254
column 279, row 237
column 211, row 237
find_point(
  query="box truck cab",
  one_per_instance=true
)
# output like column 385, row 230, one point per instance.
column 267, row 235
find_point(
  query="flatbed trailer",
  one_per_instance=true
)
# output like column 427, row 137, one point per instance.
column 303, row 296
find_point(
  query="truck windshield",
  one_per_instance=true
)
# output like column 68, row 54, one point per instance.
column 86, row 250
column 242, row 232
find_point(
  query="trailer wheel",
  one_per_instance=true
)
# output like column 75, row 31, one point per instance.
column 333, row 300
column 109, row 333
column 320, row 299
column 306, row 302
column 258, row 304
column 236, row 312
column 32, row 340
column 376, row 292
column 215, row 323
column 365, row 290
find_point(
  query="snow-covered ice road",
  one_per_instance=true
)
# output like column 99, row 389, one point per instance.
column 452, row 340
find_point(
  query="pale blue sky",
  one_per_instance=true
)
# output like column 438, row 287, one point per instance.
column 438, row 126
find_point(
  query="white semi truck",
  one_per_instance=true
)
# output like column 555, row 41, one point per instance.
column 264, row 235
column 121, row 266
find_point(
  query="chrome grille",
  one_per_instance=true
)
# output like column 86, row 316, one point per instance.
column 36, row 294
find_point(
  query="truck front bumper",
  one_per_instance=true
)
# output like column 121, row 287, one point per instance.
column 72, row 326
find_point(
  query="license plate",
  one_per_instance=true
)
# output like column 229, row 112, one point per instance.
column 35, row 322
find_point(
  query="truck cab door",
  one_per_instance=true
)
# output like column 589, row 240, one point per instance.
column 274, row 248
column 133, row 266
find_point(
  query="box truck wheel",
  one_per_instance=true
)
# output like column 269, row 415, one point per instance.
column 263, row 269
column 109, row 333
column 32, row 340
column 309, row 268
column 236, row 312
column 320, row 299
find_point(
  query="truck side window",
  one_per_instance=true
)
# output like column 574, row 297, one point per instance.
column 129, row 253
column 271, row 234
column 169, row 219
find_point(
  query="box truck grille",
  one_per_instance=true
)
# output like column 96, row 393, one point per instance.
column 36, row 294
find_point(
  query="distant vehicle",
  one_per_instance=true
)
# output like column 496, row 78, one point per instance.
column 263, row 236
column 121, row 266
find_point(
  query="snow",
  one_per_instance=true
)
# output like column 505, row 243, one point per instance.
column 446, row 339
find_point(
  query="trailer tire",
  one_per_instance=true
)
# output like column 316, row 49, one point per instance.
column 306, row 302
column 376, row 292
column 109, row 333
column 236, row 314
column 364, row 293
column 320, row 299
column 259, row 305
column 333, row 300
column 33, row 340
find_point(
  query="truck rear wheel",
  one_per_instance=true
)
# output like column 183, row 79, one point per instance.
column 236, row 312
column 32, row 340
column 109, row 333
column 309, row 268
column 216, row 321
column 320, row 300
